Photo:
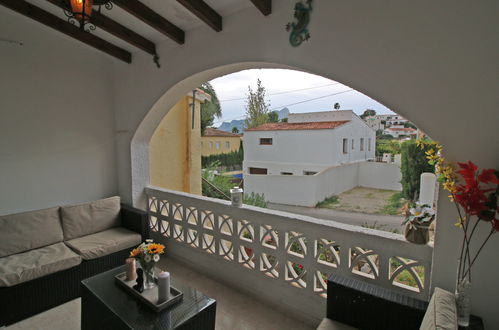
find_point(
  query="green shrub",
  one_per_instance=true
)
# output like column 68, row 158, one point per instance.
column 227, row 159
column 414, row 163
column 255, row 199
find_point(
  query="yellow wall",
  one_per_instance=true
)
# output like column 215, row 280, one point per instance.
column 209, row 144
column 175, row 149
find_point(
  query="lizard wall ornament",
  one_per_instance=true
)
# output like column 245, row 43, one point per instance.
column 298, row 28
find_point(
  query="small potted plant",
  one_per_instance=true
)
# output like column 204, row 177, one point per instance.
column 418, row 220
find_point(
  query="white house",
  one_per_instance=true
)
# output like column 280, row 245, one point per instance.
column 398, row 131
column 308, row 143
column 313, row 156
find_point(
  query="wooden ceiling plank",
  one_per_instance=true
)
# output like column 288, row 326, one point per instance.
column 46, row 18
column 114, row 28
column 153, row 19
column 204, row 12
column 265, row 6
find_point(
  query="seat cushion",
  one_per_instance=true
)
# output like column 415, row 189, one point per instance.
column 104, row 243
column 441, row 313
column 29, row 265
column 26, row 231
column 328, row 324
column 90, row 218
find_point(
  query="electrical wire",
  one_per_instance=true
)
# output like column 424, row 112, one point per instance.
column 285, row 92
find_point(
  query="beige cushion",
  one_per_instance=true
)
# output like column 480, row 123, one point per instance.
column 328, row 324
column 104, row 243
column 89, row 218
column 29, row 230
column 441, row 312
column 36, row 263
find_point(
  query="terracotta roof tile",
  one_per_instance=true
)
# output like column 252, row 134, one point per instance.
column 298, row 126
column 210, row 131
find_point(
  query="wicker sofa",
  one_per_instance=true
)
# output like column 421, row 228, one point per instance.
column 45, row 254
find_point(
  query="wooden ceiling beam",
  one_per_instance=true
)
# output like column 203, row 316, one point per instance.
column 46, row 18
column 265, row 6
column 151, row 18
column 114, row 28
column 204, row 12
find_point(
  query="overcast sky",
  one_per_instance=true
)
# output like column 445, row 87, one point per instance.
column 290, row 87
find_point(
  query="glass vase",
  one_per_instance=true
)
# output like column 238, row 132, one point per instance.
column 463, row 301
column 149, row 275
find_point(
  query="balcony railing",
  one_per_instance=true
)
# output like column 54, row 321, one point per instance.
column 279, row 255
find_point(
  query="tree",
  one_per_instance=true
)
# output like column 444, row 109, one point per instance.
column 209, row 110
column 284, row 120
column 368, row 113
column 273, row 117
column 256, row 107
column 235, row 130
column 336, row 106
column 414, row 162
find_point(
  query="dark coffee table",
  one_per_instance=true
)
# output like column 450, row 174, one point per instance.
column 105, row 305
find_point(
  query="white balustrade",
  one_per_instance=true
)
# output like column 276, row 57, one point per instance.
column 296, row 252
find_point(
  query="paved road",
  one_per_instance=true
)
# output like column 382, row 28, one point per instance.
column 385, row 222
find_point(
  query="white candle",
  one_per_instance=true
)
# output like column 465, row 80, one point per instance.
column 163, row 287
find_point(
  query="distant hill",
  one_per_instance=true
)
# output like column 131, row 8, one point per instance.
column 227, row 126
column 283, row 113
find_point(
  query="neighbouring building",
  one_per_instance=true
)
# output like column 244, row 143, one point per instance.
column 175, row 147
column 313, row 156
column 215, row 141
column 399, row 131
column 308, row 143
column 380, row 122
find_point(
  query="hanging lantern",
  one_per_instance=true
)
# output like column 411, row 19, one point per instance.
column 82, row 10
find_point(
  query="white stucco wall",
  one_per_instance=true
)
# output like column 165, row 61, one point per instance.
column 57, row 137
column 311, row 189
column 380, row 176
column 403, row 54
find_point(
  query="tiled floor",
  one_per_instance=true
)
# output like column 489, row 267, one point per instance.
column 234, row 309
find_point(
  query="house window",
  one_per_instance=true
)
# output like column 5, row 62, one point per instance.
column 227, row 145
column 352, row 143
column 369, row 144
column 345, row 146
column 218, row 145
column 361, row 144
column 266, row 141
column 309, row 173
column 211, row 145
column 257, row 170
column 286, row 173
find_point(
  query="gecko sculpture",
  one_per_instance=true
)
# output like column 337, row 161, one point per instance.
column 298, row 28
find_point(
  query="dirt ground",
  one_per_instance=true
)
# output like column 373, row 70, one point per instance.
column 365, row 200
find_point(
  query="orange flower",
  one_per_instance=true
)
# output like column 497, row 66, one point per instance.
column 135, row 252
column 155, row 248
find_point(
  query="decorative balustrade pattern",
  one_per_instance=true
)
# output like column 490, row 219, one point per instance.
column 301, row 251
